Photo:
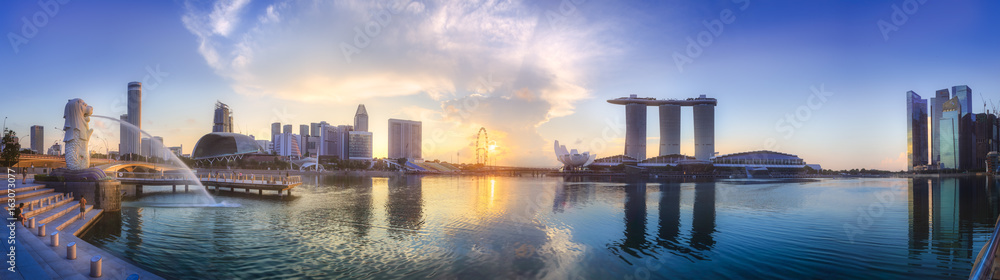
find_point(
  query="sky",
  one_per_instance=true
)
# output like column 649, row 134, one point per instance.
column 824, row 80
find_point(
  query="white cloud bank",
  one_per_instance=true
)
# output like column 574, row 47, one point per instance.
column 521, row 63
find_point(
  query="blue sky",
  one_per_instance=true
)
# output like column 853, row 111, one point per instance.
column 529, row 71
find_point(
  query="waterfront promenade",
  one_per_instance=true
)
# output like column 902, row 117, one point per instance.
column 220, row 180
column 35, row 258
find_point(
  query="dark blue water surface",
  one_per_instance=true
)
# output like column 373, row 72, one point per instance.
column 504, row 227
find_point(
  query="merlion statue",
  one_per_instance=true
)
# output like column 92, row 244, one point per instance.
column 78, row 133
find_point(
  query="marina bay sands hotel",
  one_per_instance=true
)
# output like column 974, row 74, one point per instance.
column 670, row 125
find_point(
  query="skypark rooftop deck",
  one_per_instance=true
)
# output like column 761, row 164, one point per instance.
column 649, row 101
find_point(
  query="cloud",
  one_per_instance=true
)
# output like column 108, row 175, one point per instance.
column 502, row 53
column 226, row 15
column 899, row 163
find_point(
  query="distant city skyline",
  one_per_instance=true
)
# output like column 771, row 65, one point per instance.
column 820, row 79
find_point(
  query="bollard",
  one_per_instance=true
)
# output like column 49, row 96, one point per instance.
column 31, row 206
column 71, row 251
column 31, row 222
column 95, row 266
column 41, row 230
column 55, row 239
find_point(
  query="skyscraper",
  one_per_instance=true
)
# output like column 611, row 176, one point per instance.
column 333, row 141
column 361, row 119
column 986, row 141
column 937, row 102
column 964, row 94
column 405, row 139
column 38, row 139
column 916, row 130
column 304, row 129
column 134, row 118
column 275, row 130
column 304, row 140
column 950, row 134
column 223, row 118
column 314, row 129
column 287, row 144
column 359, row 145
column 286, row 129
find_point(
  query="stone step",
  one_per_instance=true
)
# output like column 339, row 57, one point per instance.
column 23, row 195
column 78, row 227
column 42, row 209
column 28, row 187
column 58, row 211
column 66, row 220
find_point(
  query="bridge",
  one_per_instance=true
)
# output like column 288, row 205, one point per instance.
column 47, row 161
column 135, row 166
column 247, row 182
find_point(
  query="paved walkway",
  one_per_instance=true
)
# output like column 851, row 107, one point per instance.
column 36, row 259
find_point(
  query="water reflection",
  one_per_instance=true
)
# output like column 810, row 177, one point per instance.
column 703, row 221
column 485, row 227
column 635, row 219
column 405, row 203
column 944, row 215
column 670, row 216
column 668, row 237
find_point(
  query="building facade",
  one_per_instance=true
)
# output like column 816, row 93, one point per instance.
column 265, row 144
column 131, row 135
column 405, row 139
column 361, row 119
column 936, row 103
column 670, row 125
column 55, row 150
column 287, row 144
column 275, row 130
column 333, row 141
column 986, row 139
column 964, row 95
column 916, row 131
column 951, row 119
column 360, row 145
column 223, row 118
column 38, row 139
column 177, row 151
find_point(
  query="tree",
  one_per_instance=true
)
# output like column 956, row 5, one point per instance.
column 401, row 161
column 11, row 149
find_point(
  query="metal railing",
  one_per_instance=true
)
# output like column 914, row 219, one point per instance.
column 219, row 177
column 983, row 268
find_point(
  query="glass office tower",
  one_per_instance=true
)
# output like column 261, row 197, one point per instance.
column 916, row 131
column 950, row 130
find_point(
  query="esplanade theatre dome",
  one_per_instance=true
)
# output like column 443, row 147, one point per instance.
column 224, row 144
